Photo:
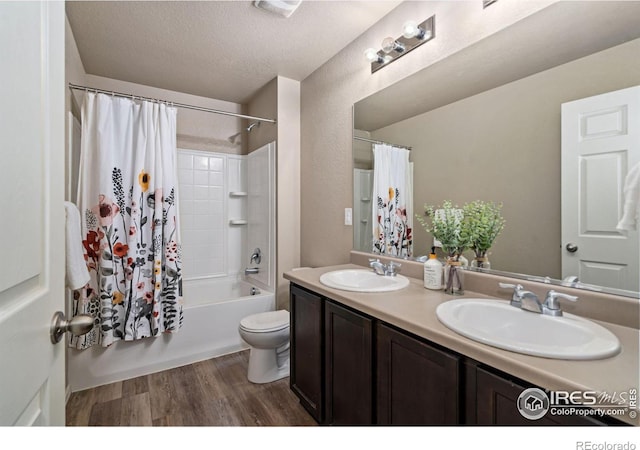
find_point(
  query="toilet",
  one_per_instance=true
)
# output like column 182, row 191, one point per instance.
column 267, row 334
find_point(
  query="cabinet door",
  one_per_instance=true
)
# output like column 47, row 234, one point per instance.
column 348, row 367
column 306, row 350
column 417, row 383
column 496, row 404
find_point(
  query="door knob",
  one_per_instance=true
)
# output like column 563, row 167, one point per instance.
column 78, row 325
column 571, row 247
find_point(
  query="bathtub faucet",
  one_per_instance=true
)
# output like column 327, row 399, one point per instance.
column 251, row 270
column 256, row 257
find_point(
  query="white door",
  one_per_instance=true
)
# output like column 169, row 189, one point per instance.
column 31, row 211
column 600, row 143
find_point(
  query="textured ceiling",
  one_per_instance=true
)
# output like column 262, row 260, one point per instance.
column 220, row 49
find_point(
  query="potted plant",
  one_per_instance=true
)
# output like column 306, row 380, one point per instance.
column 446, row 224
column 483, row 223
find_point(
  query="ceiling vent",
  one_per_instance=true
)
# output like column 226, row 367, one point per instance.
column 282, row 8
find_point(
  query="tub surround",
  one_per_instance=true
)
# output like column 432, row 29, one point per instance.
column 413, row 309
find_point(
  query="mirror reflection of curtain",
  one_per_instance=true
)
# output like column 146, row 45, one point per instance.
column 392, row 205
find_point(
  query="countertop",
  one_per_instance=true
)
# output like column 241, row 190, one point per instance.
column 414, row 309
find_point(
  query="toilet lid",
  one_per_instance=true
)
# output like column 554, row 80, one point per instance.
column 266, row 321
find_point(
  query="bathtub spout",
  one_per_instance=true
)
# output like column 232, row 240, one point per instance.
column 251, row 270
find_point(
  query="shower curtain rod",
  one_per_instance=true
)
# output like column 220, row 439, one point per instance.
column 380, row 142
column 179, row 105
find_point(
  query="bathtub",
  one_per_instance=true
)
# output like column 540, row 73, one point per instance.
column 212, row 311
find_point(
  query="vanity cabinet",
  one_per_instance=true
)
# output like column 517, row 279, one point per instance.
column 417, row 383
column 492, row 399
column 348, row 366
column 306, row 371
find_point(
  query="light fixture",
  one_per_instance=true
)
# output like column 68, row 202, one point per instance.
column 413, row 35
column 282, row 8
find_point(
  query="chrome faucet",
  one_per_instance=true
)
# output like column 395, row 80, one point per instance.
column 551, row 305
column 256, row 256
column 390, row 270
column 523, row 299
column 515, row 297
column 529, row 301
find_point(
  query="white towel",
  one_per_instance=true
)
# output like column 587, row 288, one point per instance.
column 77, row 272
column 631, row 200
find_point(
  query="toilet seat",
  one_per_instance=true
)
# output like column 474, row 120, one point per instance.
column 266, row 322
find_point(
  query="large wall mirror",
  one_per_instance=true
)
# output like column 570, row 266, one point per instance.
column 485, row 124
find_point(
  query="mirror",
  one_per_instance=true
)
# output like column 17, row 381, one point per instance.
column 482, row 127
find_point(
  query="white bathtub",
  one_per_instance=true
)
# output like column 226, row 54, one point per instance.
column 213, row 309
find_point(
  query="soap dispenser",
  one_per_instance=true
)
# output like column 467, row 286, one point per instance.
column 433, row 271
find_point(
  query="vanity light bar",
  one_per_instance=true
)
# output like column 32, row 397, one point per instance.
column 399, row 47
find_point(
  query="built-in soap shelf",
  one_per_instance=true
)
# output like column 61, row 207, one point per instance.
column 240, row 195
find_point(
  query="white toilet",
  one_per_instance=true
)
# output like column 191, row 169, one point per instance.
column 268, row 335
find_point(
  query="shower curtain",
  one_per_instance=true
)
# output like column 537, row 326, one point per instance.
column 392, row 212
column 127, row 198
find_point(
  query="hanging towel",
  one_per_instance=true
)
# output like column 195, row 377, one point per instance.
column 392, row 208
column 631, row 200
column 77, row 273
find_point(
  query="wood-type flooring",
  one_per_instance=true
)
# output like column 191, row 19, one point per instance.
column 214, row 392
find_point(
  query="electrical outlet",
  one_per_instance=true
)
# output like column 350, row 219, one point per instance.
column 348, row 216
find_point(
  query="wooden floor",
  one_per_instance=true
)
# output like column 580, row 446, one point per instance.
column 215, row 392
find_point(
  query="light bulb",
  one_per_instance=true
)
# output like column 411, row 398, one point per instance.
column 410, row 29
column 372, row 55
column 389, row 44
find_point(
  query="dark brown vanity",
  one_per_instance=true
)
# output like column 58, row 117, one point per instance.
column 349, row 367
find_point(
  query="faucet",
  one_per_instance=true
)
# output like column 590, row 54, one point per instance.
column 551, row 306
column 571, row 281
column 523, row 299
column 256, row 256
column 390, row 270
column 528, row 301
column 377, row 266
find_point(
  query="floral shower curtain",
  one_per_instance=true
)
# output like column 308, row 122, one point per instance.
column 127, row 198
column 392, row 211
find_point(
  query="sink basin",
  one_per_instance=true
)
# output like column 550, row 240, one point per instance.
column 497, row 323
column 363, row 280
